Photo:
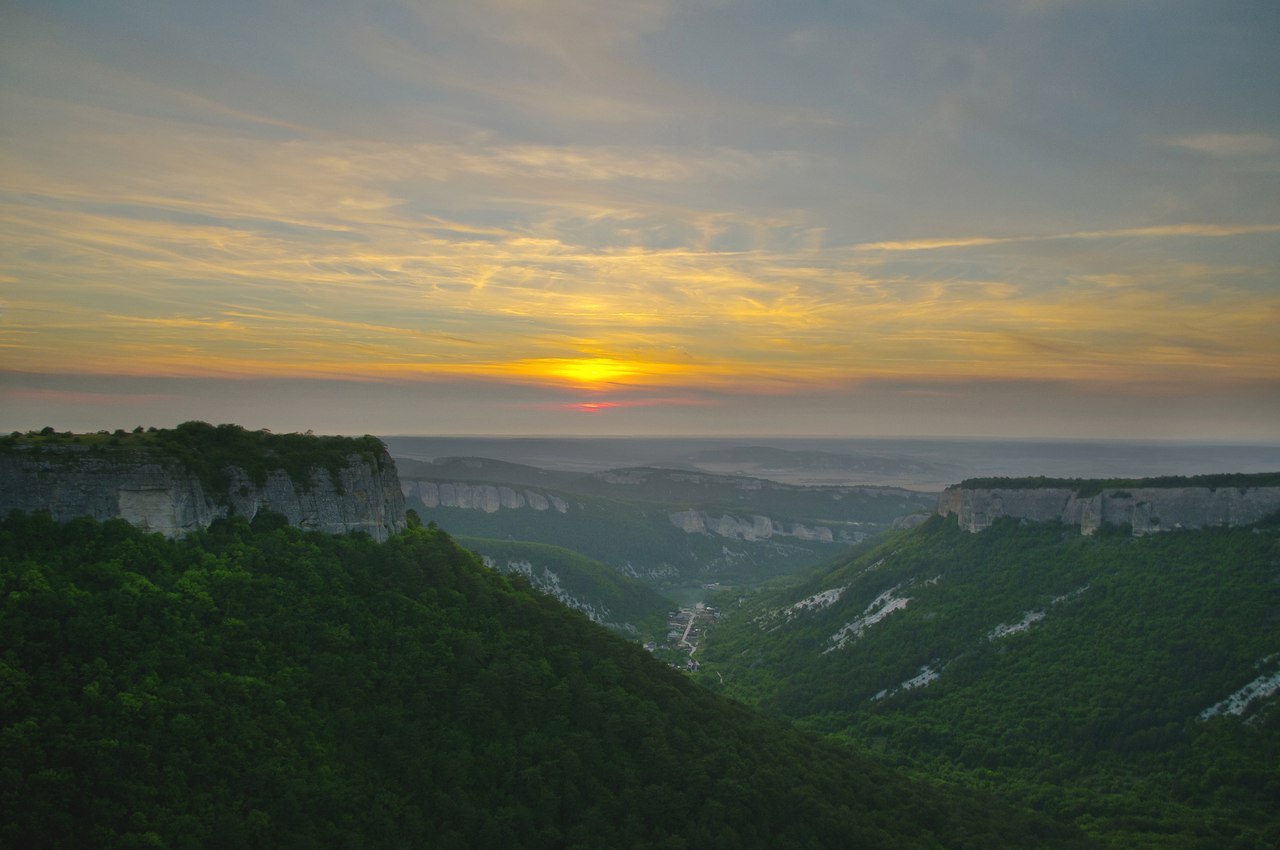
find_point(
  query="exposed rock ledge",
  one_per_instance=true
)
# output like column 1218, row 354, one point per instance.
column 1146, row 509
column 155, row 492
column 489, row 498
column 755, row 528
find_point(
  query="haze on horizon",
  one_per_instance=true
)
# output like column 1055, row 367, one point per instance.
column 1008, row 218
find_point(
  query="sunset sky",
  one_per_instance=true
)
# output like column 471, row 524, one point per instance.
column 992, row 218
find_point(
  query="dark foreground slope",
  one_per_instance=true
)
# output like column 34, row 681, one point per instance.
column 1128, row 684
column 265, row 687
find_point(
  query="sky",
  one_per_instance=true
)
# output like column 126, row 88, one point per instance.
column 997, row 218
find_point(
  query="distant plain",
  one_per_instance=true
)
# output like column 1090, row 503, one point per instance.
column 926, row 465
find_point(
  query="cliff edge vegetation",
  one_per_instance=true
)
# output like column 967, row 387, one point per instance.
column 1085, row 487
column 209, row 451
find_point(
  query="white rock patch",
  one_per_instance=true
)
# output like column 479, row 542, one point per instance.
column 927, row 675
column 548, row 582
column 924, row 677
column 818, row 601
column 1260, row 688
column 1031, row 617
column 877, row 565
column 882, row 606
column 1005, row 629
column 1067, row 597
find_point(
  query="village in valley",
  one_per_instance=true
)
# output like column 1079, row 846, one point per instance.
column 685, row 628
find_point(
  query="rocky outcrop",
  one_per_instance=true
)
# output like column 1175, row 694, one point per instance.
column 155, row 492
column 365, row 497
column 489, row 498
column 755, row 528
column 1146, row 509
column 909, row 521
column 547, row 581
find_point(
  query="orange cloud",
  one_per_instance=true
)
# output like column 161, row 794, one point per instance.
column 237, row 257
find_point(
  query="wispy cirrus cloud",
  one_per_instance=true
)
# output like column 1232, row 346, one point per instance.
column 1149, row 232
column 1228, row 144
column 215, row 272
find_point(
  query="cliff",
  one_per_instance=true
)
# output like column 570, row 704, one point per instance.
column 489, row 498
column 492, row 498
column 756, row 528
column 148, row 483
column 1146, row 509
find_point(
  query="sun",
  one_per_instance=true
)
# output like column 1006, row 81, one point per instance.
column 596, row 373
column 596, row 370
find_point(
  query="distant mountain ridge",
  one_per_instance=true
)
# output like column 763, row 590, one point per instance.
column 873, row 466
column 928, row 464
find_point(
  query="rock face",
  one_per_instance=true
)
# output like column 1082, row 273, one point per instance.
column 755, row 528
column 157, row 493
column 1147, row 509
column 489, row 498
column 547, row 581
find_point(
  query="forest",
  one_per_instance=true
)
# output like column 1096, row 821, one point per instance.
column 1085, row 487
column 1087, row 677
column 254, row 685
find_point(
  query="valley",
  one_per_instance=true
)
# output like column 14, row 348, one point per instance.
column 640, row 425
column 1031, row 672
column 665, row 528
column 258, row 685
column 685, row 630
column 1020, row 639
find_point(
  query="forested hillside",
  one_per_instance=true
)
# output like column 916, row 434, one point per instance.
column 605, row 595
column 1093, row 486
column 259, row 686
column 1127, row 684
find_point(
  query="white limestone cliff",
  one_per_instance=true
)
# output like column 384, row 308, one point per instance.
column 1146, row 509
column 489, row 498
column 157, row 493
column 736, row 528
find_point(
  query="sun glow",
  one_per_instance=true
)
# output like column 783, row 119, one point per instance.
column 599, row 370
column 594, row 406
column 595, row 372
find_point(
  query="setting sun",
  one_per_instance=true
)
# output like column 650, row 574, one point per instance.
column 594, row 372
column 597, row 370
